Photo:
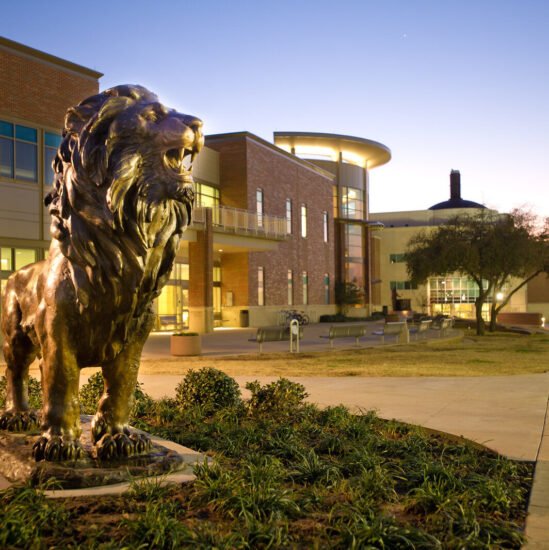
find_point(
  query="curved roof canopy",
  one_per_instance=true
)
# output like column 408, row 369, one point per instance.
column 355, row 150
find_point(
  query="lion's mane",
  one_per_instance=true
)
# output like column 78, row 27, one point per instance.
column 109, row 209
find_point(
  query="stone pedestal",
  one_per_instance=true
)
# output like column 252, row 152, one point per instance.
column 18, row 466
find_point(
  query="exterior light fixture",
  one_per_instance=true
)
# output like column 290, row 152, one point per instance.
column 499, row 296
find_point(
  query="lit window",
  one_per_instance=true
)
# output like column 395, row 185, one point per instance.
column 305, row 284
column 5, row 259
column 290, row 287
column 260, row 287
column 288, row 216
column 303, row 220
column 51, row 145
column 206, row 195
column 326, row 288
column 259, row 207
column 352, row 204
column 325, row 225
column 24, row 257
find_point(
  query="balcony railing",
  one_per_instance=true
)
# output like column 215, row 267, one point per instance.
column 242, row 222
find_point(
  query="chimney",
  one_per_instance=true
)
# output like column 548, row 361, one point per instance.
column 455, row 185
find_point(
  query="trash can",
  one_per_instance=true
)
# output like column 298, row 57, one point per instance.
column 244, row 318
column 385, row 310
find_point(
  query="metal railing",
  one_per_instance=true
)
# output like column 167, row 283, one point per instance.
column 235, row 220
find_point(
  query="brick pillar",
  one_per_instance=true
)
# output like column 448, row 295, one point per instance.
column 201, row 278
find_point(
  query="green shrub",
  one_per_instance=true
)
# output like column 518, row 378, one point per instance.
column 279, row 397
column 35, row 393
column 92, row 390
column 185, row 334
column 207, row 387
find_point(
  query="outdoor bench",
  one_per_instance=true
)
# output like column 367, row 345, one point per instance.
column 345, row 331
column 421, row 329
column 273, row 334
column 444, row 325
column 392, row 329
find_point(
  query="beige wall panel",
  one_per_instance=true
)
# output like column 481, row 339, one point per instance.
column 19, row 211
column 206, row 166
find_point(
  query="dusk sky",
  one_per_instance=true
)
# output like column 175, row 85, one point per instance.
column 445, row 85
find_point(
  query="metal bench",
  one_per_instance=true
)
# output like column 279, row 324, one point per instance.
column 420, row 330
column 396, row 329
column 273, row 334
column 444, row 326
column 345, row 331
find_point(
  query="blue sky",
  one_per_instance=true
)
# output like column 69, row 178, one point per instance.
column 445, row 85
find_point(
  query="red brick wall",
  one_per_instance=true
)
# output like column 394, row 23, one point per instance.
column 201, row 265
column 232, row 171
column 39, row 92
column 282, row 178
column 245, row 166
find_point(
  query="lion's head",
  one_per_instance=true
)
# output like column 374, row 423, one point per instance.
column 123, row 186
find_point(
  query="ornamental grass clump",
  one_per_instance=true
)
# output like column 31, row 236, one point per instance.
column 209, row 388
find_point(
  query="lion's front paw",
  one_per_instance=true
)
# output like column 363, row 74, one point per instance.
column 120, row 445
column 23, row 421
column 57, row 449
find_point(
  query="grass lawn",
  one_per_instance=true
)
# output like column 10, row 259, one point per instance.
column 289, row 475
column 492, row 355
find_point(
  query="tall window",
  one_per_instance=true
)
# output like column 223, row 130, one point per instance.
column 326, row 288
column 259, row 207
column 325, row 225
column 206, row 195
column 305, row 285
column 290, row 288
column 303, row 220
column 51, row 144
column 260, row 287
column 351, row 203
column 288, row 216
column 18, row 152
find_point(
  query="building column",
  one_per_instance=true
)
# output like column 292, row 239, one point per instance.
column 201, row 278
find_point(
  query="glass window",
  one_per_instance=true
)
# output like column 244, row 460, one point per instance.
column 305, row 285
column 259, row 207
column 6, row 129
column 326, row 288
column 260, row 287
column 325, row 225
column 353, row 241
column 216, row 274
column 23, row 257
column 207, row 195
column 26, row 134
column 25, row 161
column 396, row 258
column 290, row 288
column 303, row 220
column 355, row 273
column 51, row 144
column 6, row 158
column 334, row 195
column 6, row 263
column 288, row 216
column 352, row 204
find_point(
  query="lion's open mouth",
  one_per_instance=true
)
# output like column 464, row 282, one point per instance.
column 179, row 162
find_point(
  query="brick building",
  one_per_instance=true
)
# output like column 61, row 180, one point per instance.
column 35, row 91
column 274, row 228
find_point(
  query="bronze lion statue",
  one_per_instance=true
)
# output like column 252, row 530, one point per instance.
column 122, row 197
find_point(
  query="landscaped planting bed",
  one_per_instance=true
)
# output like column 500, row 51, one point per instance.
column 287, row 474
